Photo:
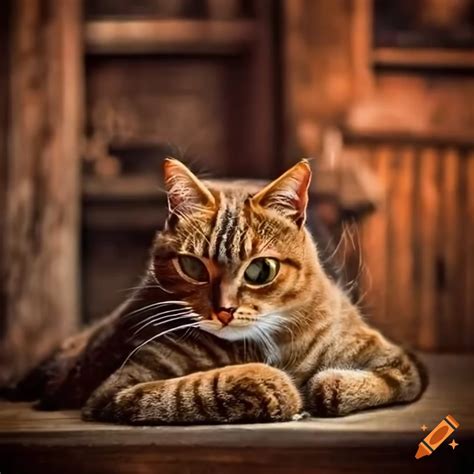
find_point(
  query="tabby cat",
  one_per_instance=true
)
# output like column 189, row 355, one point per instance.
column 235, row 321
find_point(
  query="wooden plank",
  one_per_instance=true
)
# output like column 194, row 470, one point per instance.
column 449, row 390
column 460, row 258
column 374, row 137
column 384, row 439
column 314, row 68
column 427, row 248
column 447, row 250
column 389, row 110
column 361, row 48
column 423, row 57
column 41, row 235
column 468, row 230
column 426, row 221
column 400, row 292
column 168, row 36
column 374, row 240
column 138, row 187
column 389, row 459
column 4, row 124
column 263, row 98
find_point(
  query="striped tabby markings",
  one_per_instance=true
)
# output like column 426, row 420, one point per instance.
column 216, row 392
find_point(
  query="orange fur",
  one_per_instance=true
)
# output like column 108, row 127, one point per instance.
column 225, row 349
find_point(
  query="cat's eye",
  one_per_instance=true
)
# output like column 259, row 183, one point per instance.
column 262, row 270
column 193, row 268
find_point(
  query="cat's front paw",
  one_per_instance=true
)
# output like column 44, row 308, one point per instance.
column 333, row 392
column 258, row 393
column 247, row 393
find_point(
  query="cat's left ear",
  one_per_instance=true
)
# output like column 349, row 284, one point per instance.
column 186, row 192
column 288, row 194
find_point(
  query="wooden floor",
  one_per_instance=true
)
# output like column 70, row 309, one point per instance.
column 382, row 440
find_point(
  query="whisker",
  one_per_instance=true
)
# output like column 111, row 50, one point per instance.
column 138, row 287
column 156, row 336
column 159, row 323
column 278, row 323
column 185, row 336
column 164, row 314
column 158, row 283
column 156, row 305
column 163, row 319
column 269, row 345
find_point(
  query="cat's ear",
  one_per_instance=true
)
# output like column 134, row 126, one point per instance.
column 288, row 194
column 186, row 193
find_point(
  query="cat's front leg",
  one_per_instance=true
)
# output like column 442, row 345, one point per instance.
column 244, row 393
column 336, row 392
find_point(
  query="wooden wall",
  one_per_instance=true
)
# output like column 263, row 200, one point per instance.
column 418, row 247
column 407, row 113
column 4, row 84
column 39, row 178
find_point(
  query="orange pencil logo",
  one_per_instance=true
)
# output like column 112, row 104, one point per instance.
column 438, row 435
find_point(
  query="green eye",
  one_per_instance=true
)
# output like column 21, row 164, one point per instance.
column 262, row 270
column 193, row 268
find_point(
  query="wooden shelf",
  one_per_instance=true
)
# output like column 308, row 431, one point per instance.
column 123, row 203
column 134, row 143
column 133, row 201
column 375, row 136
column 123, row 188
column 423, row 58
column 383, row 440
column 168, row 36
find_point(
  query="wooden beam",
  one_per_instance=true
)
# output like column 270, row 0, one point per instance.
column 168, row 36
column 42, row 187
column 318, row 70
column 423, row 58
column 4, row 84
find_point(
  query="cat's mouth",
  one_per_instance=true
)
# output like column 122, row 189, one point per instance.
column 235, row 329
column 245, row 326
column 234, row 323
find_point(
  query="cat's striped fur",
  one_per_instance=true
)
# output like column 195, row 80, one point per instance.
column 294, row 344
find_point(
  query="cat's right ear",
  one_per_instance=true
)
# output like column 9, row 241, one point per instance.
column 288, row 194
column 186, row 193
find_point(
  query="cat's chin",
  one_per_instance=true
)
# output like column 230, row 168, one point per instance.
column 233, row 332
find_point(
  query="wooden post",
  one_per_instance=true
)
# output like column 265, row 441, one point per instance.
column 39, row 274
column 4, row 82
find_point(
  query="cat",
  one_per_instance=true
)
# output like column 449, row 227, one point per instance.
column 235, row 321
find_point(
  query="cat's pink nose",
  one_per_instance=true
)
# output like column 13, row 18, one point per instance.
column 225, row 316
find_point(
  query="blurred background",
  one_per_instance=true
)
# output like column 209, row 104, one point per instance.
column 94, row 93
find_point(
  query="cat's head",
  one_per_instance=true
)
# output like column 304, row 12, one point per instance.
column 239, row 256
